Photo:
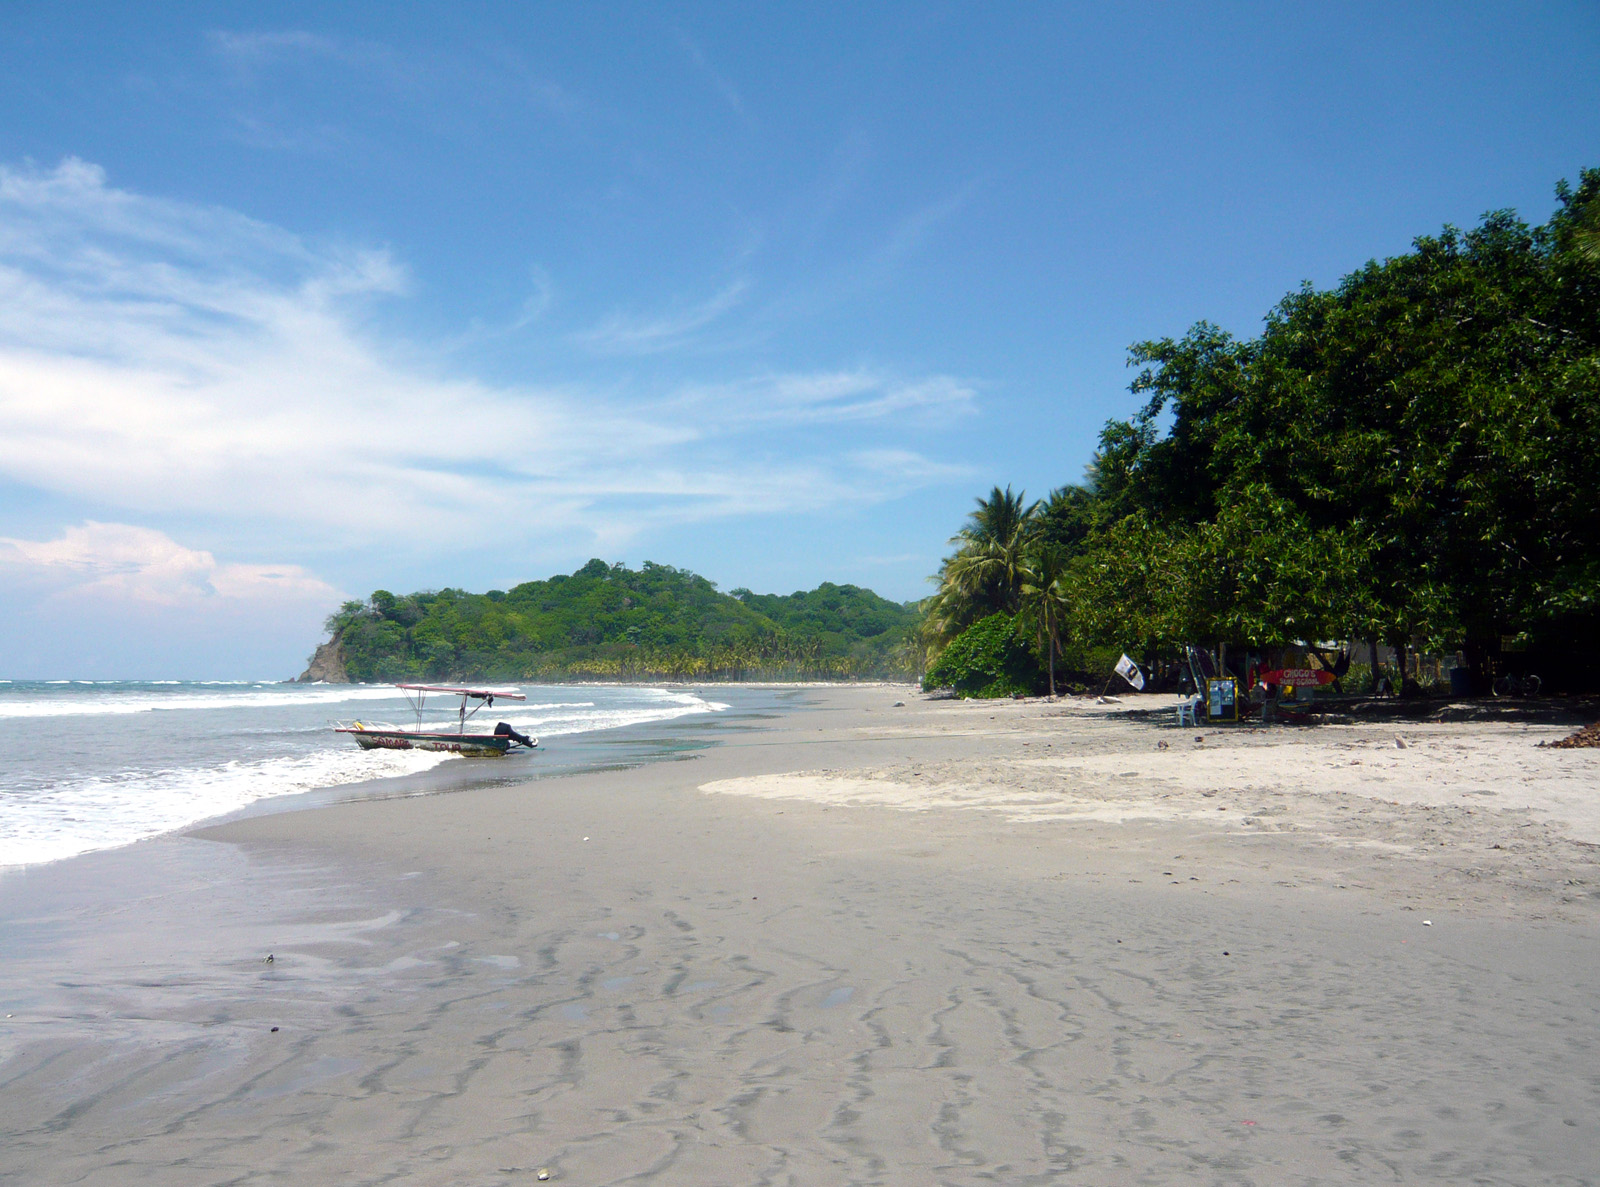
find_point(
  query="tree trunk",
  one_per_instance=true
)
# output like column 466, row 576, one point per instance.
column 1476, row 655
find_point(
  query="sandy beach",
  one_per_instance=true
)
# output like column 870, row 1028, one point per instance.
column 855, row 941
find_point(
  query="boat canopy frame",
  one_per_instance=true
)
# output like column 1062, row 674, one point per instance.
column 417, row 695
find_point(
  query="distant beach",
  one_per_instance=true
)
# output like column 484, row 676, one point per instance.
column 825, row 937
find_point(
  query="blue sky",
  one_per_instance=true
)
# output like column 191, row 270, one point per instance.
column 303, row 300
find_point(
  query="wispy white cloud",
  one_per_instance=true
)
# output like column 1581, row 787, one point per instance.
column 863, row 272
column 122, row 562
column 718, row 81
column 625, row 333
column 906, row 468
column 250, row 54
column 834, row 397
column 163, row 358
column 322, row 139
column 909, row 234
column 251, row 57
column 256, row 47
column 255, row 63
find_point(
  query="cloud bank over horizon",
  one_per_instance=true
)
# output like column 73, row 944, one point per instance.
column 163, row 359
column 118, row 562
column 118, row 601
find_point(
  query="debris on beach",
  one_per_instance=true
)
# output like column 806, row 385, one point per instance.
column 1399, row 742
column 1589, row 735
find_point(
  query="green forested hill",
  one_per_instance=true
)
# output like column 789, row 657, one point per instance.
column 842, row 622
column 609, row 621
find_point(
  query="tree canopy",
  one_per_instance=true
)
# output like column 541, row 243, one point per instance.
column 1410, row 455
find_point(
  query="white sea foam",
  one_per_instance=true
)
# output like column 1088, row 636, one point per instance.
column 124, row 703
column 102, row 813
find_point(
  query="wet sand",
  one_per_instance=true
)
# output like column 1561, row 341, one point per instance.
column 855, row 943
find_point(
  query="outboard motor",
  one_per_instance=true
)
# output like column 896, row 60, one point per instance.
column 504, row 730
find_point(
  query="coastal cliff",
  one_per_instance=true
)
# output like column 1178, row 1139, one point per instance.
column 327, row 664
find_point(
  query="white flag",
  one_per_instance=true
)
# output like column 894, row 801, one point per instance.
column 1130, row 672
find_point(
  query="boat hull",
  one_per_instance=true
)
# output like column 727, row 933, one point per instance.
column 467, row 745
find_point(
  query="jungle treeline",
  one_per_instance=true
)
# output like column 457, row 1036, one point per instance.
column 609, row 622
column 1411, row 457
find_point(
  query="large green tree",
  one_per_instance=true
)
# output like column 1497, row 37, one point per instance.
column 1408, row 454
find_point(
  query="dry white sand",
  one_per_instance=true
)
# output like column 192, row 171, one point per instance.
column 940, row 943
column 1050, row 776
column 1508, row 811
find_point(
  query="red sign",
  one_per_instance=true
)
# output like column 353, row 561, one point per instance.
column 1299, row 677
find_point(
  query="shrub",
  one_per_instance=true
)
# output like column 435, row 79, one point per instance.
column 988, row 659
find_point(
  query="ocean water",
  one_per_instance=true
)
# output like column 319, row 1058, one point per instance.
column 87, row 765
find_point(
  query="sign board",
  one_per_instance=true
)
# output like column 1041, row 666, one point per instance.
column 1299, row 677
column 1222, row 699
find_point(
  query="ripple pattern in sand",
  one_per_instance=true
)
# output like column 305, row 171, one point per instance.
column 868, row 1024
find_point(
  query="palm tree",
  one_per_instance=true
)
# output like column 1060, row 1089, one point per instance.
column 1045, row 600
column 985, row 574
column 1002, row 518
column 1587, row 236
